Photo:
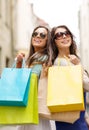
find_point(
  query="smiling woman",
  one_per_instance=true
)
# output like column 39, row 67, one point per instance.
column 39, row 39
column 65, row 49
column 39, row 54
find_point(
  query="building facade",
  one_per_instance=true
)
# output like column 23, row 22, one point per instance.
column 84, row 33
column 84, row 38
column 17, row 21
column 5, row 33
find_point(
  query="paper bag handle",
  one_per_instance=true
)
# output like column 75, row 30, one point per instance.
column 23, row 63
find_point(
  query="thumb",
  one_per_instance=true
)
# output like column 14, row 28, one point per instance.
column 69, row 56
column 23, row 54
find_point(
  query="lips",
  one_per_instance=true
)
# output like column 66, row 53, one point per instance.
column 37, row 41
column 65, row 41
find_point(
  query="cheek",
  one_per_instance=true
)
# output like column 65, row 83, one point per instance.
column 32, row 41
column 57, row 43
column 44, row 42
column 70, row 39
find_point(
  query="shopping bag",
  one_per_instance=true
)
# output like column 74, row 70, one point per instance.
column 22, row 115
column 44, row 112
column 65, row 90
column 14, row 85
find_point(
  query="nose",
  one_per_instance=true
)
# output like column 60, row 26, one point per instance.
column 64, row 35
column 38, row 35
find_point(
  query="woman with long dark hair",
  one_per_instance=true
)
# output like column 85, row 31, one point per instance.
column 39, row 55
column 64, row 48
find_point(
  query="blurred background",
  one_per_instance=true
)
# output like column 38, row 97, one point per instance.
column 18, row 18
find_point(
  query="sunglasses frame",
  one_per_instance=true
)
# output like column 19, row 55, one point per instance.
column 42, row 35
column 59, row 35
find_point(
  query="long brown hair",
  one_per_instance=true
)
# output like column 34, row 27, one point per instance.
column 44, row 51
column 73, row 47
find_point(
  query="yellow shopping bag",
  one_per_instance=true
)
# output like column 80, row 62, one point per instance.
column 65, row 90
column 43, row 110
column 22, row 115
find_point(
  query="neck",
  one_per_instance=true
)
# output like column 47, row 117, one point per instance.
column 36, row 49
column 63, row 53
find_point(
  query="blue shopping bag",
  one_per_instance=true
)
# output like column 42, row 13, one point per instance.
column 10, row 115
column 14, row 86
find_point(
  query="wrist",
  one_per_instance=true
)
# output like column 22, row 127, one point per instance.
column 18, row 64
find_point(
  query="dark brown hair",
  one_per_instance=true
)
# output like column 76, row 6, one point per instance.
column 44, row 51
column 73, row 47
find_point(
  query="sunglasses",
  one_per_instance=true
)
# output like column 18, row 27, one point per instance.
column 42, row 35
column 60, row 35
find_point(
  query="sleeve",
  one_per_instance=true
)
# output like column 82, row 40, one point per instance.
column 85, row 81
column 37, row 69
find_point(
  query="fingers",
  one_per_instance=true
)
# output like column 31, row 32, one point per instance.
column 71, row 56
column 74, row 59
column 23, row 54
column 20, row 57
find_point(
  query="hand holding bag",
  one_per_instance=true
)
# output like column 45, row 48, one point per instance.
column 65, row 88
column 44, row 112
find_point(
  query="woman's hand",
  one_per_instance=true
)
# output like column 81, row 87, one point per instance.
column 19, row 59
column 74, row 59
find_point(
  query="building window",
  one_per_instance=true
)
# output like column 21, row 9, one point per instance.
column 7, row 62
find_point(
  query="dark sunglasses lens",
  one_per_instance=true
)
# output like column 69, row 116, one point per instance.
column 60, row 34
column 42, row 35
column 66, row 33
column 34, row 34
